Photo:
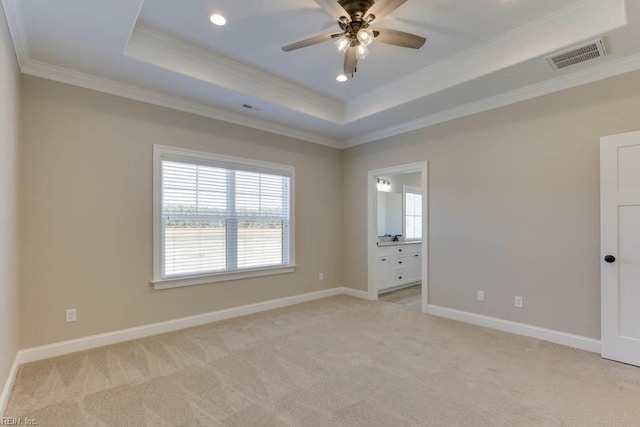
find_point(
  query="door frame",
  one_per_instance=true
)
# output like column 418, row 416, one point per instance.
column 614, row 345
column 372, row 225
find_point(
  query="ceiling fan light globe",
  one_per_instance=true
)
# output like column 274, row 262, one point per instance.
column 365, row 36
column 342, row 44
column 362, row 52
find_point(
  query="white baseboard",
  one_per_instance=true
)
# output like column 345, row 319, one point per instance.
column 563, row 338
column 355, row 293
column 94, row 341
column 8, row 386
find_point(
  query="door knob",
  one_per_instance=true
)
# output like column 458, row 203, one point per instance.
column 610, row 259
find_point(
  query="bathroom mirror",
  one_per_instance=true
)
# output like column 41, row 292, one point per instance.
column 389, row 213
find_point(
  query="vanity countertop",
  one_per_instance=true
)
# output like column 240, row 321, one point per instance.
column 413, row 242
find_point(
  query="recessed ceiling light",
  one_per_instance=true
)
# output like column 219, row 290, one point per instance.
column 342, row 78
column 217, row 19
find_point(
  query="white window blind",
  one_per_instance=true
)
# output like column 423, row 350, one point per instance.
column 219, row 217
column 413, row 214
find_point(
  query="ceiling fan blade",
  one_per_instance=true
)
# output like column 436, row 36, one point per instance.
column 309, row 42
column 382, row 8
column 350, row 61
column 332, row 8
column 399, row 38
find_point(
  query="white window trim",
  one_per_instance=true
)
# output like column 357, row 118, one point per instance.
column 408, row 189
column 161, row 283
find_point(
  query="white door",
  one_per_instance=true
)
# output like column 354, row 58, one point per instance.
column 620, row 240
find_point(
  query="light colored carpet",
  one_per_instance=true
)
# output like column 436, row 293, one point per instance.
column 338, row 361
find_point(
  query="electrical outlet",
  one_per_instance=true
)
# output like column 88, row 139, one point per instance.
column 519, row 302
column 72, row 315
column 321, row 276
column 480, row 295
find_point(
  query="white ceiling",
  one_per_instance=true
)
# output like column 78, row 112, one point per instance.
column 480, row 54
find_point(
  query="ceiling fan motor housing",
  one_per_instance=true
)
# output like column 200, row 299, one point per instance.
column 356, row 8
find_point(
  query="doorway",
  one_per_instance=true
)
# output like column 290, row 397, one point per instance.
column 397, row 236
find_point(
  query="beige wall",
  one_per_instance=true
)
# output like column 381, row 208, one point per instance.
column 9, row 153
column 513, row 208
column 514, row 204
column 87, row 201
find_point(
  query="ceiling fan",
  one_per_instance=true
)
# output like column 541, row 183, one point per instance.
column 354, row 19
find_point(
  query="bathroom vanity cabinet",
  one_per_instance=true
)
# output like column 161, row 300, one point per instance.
column 398, row 265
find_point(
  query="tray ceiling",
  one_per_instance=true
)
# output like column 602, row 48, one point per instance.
column 480, row 54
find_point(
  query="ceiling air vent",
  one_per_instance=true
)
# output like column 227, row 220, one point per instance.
column 577, row 54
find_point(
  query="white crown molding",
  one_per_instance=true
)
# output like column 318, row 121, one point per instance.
column 567, row 26
column 13, row 14
column 567, row 81
column 17, row 29
column 134, row 23
column 88, row 81
column 550, row 335
column 15, row 22
column 162, row 50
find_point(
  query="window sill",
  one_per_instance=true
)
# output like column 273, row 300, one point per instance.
column 221, row 277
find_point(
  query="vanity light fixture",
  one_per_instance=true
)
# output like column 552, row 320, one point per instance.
column 384, row 185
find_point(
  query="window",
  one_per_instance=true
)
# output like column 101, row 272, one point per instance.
column 219, row 218
column 412, row 213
